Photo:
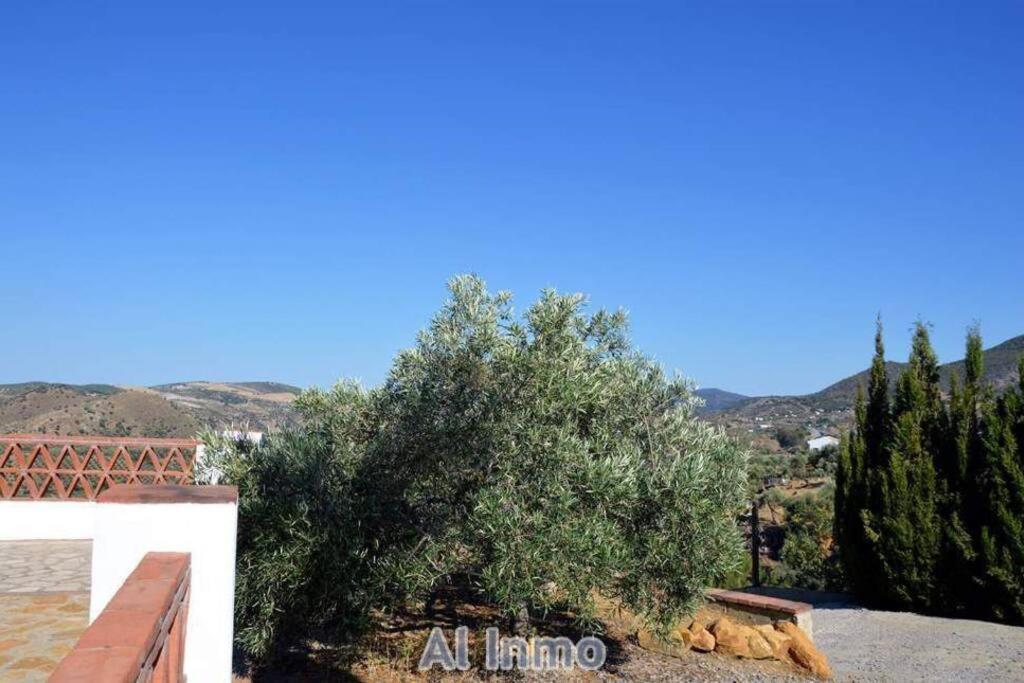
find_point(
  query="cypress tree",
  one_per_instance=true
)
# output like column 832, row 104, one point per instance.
column 851, row 499
column 876, row 430
column 877, row 418
column 929, row 497
column 953, row 466
column 956, row 586
column 908, row 523
column 1000, row 501
column 973, row 459
column 959, row 577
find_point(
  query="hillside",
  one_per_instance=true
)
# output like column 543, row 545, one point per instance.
column 184, row 408
column 168, row 410
column 833, row 406
column 718, row 399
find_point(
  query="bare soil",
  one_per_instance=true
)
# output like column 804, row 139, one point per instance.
column 392, row 655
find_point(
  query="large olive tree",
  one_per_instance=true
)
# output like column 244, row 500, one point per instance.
column 538, row 459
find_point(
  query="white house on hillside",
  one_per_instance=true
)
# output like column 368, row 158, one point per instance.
column 822, row 442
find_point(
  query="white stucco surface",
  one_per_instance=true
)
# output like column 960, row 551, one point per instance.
column 125, row 532
column 44, row 520
column 822, row 442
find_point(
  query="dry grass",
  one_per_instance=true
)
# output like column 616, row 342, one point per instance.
column 392, row 654
column 178, row 410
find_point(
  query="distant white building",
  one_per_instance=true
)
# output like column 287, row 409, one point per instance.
column 238, row 435
column 822, row 442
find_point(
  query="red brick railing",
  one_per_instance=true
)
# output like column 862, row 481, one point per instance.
column 140, row 634
column 34, row 466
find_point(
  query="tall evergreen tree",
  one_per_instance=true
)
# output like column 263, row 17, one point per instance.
column 972, row 459
column 851, row 498
column 877, row 418
column 929, row 498
column 957, row 579
column 877, row 432
column 907, row 521
column 999, row 508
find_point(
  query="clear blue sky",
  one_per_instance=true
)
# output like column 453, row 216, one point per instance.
column 241, row 192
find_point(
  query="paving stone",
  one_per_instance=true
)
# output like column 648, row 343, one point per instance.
column 44, row 605
column 51, row 566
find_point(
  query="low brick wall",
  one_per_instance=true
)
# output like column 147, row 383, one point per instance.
column 140, row 634
column 751, row 608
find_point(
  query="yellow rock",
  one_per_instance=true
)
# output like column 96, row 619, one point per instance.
column 739, row 640
column 676, row 645
column 778, row 641
column 700, row 638
column 802, row 650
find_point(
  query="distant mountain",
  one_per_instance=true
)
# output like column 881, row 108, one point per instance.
column 1000, row 372
column 184, row 408
column 834, row 403
column 718, row 399
column 167, row 410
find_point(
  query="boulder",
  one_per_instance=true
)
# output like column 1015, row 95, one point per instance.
column 681, row 635
column 802, row 651
column 760, row 648
column 700, row 638
column 675, row 645
column 778, row 641
column 613, row 614
column 739, row 640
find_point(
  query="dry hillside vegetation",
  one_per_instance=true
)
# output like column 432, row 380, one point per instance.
column 178, row 410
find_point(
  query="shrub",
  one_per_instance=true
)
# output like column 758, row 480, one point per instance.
column 300, row 547
column 808, row 560
column 537, row 459
column 790, row 436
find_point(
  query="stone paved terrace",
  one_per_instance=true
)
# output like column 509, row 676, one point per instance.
column 44, row 605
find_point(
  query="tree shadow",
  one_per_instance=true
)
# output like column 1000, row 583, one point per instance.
column 396, row 645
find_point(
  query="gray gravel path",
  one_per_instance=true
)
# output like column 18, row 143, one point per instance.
column 872, row 645
column 869, row 645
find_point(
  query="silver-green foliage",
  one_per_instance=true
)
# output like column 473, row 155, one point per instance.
column 538, row 459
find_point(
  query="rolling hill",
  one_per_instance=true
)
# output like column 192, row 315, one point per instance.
column 168, row 410
column 716, row 400
column 833, row 405
column 183, row 408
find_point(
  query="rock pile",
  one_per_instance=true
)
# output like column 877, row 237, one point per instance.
column 781, row 640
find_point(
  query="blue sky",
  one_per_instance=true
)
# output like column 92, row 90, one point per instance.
column 250, row 192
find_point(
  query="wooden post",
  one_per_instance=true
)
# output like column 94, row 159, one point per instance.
column 755, row 545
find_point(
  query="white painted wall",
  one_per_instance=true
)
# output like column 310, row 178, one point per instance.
column 124, row 532
column 822, row 442
column 50, row 520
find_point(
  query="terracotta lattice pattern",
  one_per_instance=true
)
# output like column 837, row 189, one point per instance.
column 34, row 466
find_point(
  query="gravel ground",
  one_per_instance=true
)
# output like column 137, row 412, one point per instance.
column 869, row 645
column 641, row 665
column 872, row 645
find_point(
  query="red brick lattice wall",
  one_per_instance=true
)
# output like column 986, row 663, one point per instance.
column 34, row 466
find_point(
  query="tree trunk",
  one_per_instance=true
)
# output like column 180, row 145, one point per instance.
column 519, row 623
